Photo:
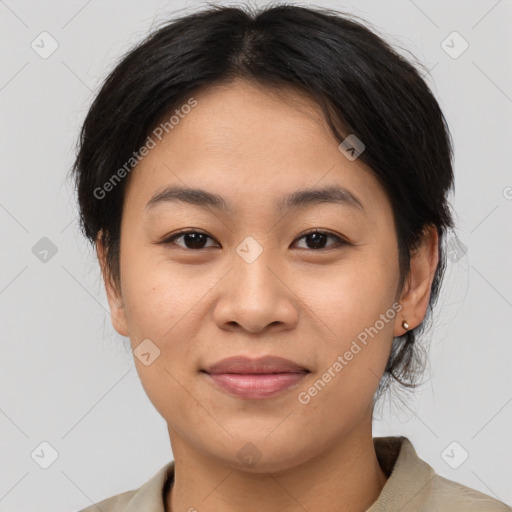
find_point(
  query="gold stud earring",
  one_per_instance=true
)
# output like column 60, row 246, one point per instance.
column 405, row 325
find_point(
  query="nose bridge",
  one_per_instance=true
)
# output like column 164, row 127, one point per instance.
column 251, row 263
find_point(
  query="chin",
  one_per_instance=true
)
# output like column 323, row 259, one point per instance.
column 260, row 453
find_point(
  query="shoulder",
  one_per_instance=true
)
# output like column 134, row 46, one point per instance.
column 414, row 486
column 148, row 497
column 117, row 503
column 447, row 495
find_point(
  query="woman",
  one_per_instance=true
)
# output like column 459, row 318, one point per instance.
column 267, row 193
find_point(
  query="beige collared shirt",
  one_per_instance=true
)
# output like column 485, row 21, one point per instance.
column 412, row 486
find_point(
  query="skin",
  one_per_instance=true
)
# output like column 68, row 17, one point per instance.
column 253, row 145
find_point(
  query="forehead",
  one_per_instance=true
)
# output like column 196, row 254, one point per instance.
column 244, row 141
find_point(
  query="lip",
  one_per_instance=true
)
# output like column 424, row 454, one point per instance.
column 266, row 364
column 259, row 378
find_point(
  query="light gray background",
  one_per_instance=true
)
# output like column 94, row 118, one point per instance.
column 67, row 378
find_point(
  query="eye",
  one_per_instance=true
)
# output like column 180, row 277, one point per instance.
column 193, row 240
column 318, row 238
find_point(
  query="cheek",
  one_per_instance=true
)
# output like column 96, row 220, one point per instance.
column 158, row 296
column 163, row 306
column 355, row 308
column 351, row 296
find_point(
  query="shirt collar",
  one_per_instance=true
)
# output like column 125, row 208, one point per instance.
column 150, row 497
column 408, row 475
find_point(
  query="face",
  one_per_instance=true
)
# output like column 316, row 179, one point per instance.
column 251, row 280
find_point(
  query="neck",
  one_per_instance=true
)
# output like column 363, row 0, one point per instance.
column 345, row 477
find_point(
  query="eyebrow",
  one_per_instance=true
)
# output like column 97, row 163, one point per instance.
column 299, row 198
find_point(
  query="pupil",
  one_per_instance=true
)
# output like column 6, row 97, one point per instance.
column 318, row 239
column 194, row 239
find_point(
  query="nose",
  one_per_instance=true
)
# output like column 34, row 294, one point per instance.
column 256, row 295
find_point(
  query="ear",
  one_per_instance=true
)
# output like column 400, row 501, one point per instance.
column 114, row 297
column 416, row 293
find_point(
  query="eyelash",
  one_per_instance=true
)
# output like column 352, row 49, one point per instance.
column 339, row 241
